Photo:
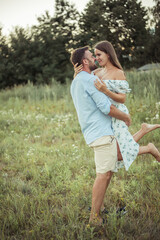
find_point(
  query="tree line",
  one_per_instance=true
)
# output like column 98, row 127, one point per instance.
column 42, row 52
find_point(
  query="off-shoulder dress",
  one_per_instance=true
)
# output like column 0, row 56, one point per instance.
column 128, row 147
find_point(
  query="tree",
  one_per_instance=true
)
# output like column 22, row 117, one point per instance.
column 55, row 35
column 42, row 52
column 156, row 35
column 65, row 24
column 6, row 66
column 122, row 22
column 20, row 54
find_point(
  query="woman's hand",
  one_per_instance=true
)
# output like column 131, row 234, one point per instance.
column 100, row 85
column 77, row 69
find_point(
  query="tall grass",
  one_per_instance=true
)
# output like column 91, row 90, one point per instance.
column 47, row 171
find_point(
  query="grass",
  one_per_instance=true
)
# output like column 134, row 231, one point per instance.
column 47, row 171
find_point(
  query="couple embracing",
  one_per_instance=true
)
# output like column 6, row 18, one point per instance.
column 98, row 95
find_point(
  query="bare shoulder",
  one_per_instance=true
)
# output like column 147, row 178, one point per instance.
column 120, row 75
column 97, row 71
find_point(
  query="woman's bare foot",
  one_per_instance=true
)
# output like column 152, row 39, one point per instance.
column 154, row 151
column 149, row 127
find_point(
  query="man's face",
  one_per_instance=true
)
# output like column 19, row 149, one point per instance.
column 91, row 59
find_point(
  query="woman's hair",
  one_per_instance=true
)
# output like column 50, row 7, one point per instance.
column 108, row 48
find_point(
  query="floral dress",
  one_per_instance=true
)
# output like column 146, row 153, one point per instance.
column 128, row 147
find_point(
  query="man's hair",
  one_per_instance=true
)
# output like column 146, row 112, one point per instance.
column 77, row 55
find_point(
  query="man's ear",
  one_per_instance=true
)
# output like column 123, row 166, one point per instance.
column 85, row 61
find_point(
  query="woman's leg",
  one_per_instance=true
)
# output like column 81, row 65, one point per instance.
column 145, row 128
column 150, row 148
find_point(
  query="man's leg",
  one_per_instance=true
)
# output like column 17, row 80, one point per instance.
column 99, row 188
column 105, row 151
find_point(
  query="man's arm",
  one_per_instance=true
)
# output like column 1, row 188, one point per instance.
column 116, row 113
column 103, row 103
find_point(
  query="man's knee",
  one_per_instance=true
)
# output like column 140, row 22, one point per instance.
column 105, row 176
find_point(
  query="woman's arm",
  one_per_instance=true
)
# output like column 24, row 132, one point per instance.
column 101, row 86
column 78, row 69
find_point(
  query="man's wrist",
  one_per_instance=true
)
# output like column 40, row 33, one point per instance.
column 126, row 117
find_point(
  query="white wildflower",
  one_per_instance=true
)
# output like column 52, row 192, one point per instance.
column 156, row 116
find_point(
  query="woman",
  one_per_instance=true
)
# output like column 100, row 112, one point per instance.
column 113, row 83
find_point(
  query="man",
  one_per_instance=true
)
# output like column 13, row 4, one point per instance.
column 94, row 112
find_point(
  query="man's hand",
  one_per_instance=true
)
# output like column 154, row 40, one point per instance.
column 116, row 113
column 128, row 120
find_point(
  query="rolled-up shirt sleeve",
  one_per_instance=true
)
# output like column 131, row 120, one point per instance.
column 101, row 100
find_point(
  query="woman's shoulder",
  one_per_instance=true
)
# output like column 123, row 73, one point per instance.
column 98, row 71
column 119, row 74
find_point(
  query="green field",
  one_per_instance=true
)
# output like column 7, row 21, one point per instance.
column 47, row 171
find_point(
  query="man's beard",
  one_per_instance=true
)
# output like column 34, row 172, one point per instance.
column 92, row 66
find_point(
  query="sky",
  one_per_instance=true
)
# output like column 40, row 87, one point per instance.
column 25, row 12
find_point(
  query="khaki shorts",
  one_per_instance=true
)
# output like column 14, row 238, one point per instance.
column 105, row 152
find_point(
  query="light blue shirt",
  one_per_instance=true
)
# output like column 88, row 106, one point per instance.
column 92, row 107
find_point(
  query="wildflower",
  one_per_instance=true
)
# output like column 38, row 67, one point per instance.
column 156, row 116
column 157, row 104
column 37, row 136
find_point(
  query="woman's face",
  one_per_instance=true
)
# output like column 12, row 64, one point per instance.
column 101, row 57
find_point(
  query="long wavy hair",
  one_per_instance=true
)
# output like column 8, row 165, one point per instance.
column 108, row 48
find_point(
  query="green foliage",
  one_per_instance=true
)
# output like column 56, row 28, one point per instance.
column 47, row 170
column 121, row 22
column 54, row 35
column 154, row 50
column 4, row 61
column 43, row 52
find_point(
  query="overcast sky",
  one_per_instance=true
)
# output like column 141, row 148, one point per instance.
column 25, row 12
